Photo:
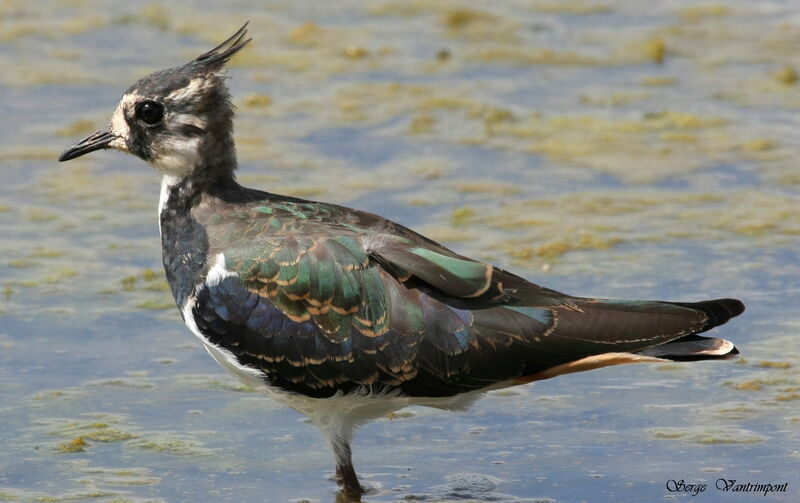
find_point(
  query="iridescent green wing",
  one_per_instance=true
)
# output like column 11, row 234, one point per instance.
column 289, row 253
column 329, row 264
column 455, row 279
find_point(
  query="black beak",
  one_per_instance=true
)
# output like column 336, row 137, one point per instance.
column 95, row 141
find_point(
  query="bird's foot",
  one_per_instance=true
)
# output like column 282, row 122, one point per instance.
column 345, row 496
column 351, row 487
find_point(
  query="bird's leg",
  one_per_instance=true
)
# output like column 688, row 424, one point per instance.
column 348, row 477
column 345, row 473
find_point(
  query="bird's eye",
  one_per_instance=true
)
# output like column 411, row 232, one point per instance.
column 150, row 112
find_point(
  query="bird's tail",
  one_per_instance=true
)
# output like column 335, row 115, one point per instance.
column 695, row 347
column 719, row 311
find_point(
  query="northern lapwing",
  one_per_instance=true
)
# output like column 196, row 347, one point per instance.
column 345, row 316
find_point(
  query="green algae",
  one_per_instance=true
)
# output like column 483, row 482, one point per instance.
column 736, row 411
column 462, row 215
column 307, row 34
column 160, row 304
column 147, row 280
column 80, row 127
column 12, row 494
column 696, row 13
column 774, row 365
column 114, row 477
column 28, row 153
column 541, row 56
column 177, row 444
column 214, row 382
column 548, row 228
column 425, row 168
column 152, row 14
column 487, row 187
column 77, row 444
column 615, row 145
column 81, row 433
column 655, row 50
column 459, row 19
column 144, row 284
column 404, row 414
column 572, row 7
column 42, row 252
column 56, row 72
column 614, row 98
column 602, row 143
column 51, row 276
column 669, row 368
column 422, row 123
column 658, row 81
column 82, row 182
column 21, row 263
column 763, row 383
column 256, row 100
column 58, row 394
column 475, row 25
column 127, row 382
column 46, row 27
column 36, row 215
column 703, row 435
column 787, row 75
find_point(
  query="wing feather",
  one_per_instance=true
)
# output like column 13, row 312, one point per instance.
column 325, row 300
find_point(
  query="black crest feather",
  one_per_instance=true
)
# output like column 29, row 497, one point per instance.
column 220, row 54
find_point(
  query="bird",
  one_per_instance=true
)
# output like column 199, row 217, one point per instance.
column 346, row 316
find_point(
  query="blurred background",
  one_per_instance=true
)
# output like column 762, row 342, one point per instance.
column 601, row 147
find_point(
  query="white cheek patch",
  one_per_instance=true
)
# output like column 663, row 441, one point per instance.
column 176, row 156
column 119, row 126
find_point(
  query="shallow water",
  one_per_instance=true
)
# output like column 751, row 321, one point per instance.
column 599, row 147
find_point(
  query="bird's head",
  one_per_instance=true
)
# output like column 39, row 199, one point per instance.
column 174, row 118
